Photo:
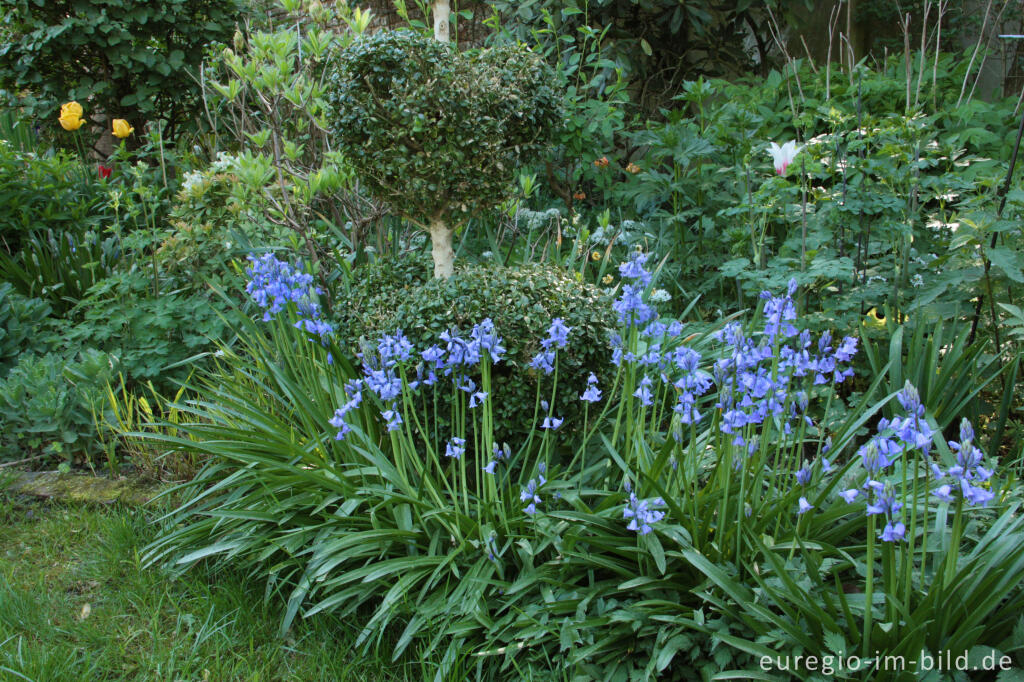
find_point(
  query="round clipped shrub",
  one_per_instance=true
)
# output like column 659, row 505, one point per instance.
column 436, row 133
column 522, row 301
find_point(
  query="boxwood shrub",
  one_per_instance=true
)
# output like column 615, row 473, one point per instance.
column 522, row 301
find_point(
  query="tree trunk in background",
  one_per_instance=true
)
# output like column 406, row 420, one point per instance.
column 440, row 233
column 442, row 13
column 442, row 251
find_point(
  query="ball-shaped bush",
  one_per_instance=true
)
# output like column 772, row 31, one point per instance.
column 521, row 301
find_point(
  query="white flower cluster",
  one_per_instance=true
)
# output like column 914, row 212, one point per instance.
column 195, row 182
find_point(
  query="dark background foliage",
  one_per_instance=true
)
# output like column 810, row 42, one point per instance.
column 129, row 59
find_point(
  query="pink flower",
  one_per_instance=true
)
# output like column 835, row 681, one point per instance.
column 783, row 156
column 104, row 171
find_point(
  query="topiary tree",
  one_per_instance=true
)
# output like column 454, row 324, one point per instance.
column 436, row 133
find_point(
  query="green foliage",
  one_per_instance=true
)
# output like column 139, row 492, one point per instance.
column 382, row 524
column 434, row 132
column 46, row 405
column 654, row 44
column 21, row 321
column 154, row 337
column 267, row 95
column 948, row 373
column 39, row 191
column 521, row 301
column 127, row 59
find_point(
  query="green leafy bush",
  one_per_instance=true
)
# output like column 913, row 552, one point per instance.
column 130, row 59
column 21, row 319
column 39, row 191
column 47, row 401
column 521, row 301
column 155, row 337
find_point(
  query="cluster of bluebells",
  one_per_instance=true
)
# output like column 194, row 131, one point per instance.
column 631, row 307
column 765, row 377
column 498, row 454
column 762, row 376
column 274, row 283
column 967, row 473
column 531, row 493
column 383, row 373
column 894, row 438
column 557, row 339
column 642, row 514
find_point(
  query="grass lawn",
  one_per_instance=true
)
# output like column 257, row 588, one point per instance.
column 77, row 604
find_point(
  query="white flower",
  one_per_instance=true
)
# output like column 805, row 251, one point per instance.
column 660, row 296
column 783, row 156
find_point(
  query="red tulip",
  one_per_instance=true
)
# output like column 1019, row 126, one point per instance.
column 104, row 171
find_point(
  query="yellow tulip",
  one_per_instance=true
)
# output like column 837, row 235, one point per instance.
column 873, row 319
column 71, row 109
column 122, row 129
column 71, row 122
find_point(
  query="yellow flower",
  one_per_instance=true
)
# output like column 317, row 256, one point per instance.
column 71, row 109
column 70, row 123
column 873, row 319
column 122, row 129
column 596, row 255
column 633, row 168
column 607, row 279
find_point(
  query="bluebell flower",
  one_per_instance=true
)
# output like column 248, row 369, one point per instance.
column 529, row 494
column 654, row 329
column 558, row 335
column 455, row 448
column 631, row 307
column 804, row 506
column 849, row 495
column 552, row 423
column 641, row 515
column 643, row 392
column 394, row 348
column 487, row 339
column 544, row 360
column 894, row 532
column 393, row 418
column 974, row 495
column 652, row 357
column 477, row 398
column 489, row 469
column 968, row 471
column 778, row 313
column 593, row 393
column 675, row 329
column 433, row 356
column 634, row 269
column 944, row 493
column 803, row 475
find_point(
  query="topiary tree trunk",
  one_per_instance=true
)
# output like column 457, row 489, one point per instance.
column 441, row 234
column 442, row 12
column 442, row 250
